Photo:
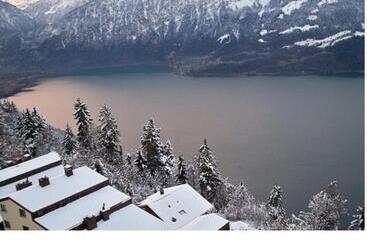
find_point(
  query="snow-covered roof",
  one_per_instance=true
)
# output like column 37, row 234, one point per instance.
column 28, row 166
column 36, row 197
column 206, row 222
column 241, row 226
column 6, row 190
column 178, row 206
column 131, row 218
column 72, row 215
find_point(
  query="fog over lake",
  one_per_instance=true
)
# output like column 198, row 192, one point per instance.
column 299, row 132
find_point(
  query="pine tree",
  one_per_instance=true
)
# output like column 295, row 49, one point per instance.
column 83, row 121
column 181, row 177
column 276, row 209
column 152, row 147
column 28, row 127
column 68, row 142
column 140, row 161
column 209, row 180
column 358, row 222
column 39, row 122
column 108, row 134
column 325, row 209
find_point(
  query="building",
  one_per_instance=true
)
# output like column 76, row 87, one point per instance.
column 181, row 207
column 42, row 194
column 70, row 199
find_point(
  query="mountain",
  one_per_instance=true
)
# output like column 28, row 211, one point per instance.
column 50, row 11
column 13, row 20
column 203, row 36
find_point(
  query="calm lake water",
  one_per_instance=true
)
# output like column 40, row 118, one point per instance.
column 298, row 132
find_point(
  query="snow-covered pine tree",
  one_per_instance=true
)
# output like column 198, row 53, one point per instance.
column 209, row 179
column 39, row 121
column 276, row 209
column 152, row 147
column 325, row 210
column 168, row 156
column 181, row 177
column 83, row 121
column 140, row 161
column 69, row 142
column 358, row 222
column 108, row 134
column 28, row 127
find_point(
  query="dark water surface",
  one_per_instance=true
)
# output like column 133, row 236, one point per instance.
column 298, row 132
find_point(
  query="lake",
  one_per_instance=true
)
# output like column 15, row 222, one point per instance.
column 299, row 132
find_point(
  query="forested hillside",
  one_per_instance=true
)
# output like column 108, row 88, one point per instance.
column 97, row 143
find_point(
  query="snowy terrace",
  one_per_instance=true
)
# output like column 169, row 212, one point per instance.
column 36, row 197
column 72, row 215
column 131, row 218
column 177, row 206
column 207, row 222
column 28, row 168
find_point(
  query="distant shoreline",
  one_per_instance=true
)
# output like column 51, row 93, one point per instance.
column 13, row 84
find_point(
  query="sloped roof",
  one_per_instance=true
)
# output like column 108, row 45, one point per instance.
column 178, row 206
column 36, row 197
column 131, row 217
column 6, row 190
column 206, row 222
column 72, row 215
column 28, row 166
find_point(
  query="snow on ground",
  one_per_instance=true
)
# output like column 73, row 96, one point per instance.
column 265, row 32
column 299, row 28
column 292, row 6
column 281, row 16
column 322, row 2
column 224, row 38
column 241, row 226
column 314, row 11
column 359, row 34
column 328, row 41
column 261, row 40
column 312, row 17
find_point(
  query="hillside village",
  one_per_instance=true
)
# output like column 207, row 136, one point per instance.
column 44, row 194
column 46, row 173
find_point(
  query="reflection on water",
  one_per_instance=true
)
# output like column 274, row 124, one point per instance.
column 298, row 132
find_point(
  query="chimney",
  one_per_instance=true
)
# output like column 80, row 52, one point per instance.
column 26, row 157
column 68, row 170
column 104, row 213
column 161, row 191
column 22, row 185
column 90, row 222
column 44, row 181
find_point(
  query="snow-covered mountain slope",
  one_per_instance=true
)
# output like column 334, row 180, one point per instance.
column 217, row 32
column 52, row 10
column 13, row 20
column 21, row 3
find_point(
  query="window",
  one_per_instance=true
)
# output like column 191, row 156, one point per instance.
column 2, row 208
column 26, row 228
column 7, row 224
column 22, row 213
column 182, row 212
